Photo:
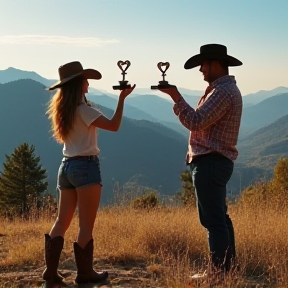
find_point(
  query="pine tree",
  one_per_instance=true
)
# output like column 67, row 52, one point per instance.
column 187, row 196
column 22, row 181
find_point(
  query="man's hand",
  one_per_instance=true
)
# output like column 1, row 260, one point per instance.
column 173, row 92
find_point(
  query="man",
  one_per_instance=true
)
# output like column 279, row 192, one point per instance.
column 214, row 128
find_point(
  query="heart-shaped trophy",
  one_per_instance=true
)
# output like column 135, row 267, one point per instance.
column 123, row 65
column 163, row 83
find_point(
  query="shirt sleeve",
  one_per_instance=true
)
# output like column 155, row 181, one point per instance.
column 88, row 114
column 208, row 113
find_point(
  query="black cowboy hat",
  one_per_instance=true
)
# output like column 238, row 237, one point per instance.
column 72, row 70
column 211, row 52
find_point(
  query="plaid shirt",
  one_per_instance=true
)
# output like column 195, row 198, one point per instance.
column 214, row 124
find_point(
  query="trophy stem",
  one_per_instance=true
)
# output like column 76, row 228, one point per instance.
column 124, row 83
column 163, row 84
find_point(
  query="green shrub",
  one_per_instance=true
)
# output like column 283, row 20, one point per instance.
column 147, row 201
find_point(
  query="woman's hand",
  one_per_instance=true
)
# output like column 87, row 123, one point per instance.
column 124, row 93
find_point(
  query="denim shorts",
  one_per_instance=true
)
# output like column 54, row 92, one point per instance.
column 79, row 172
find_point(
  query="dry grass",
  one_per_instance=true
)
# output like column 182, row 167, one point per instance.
column 169, row 242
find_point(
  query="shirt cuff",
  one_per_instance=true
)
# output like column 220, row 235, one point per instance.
column 180, row 106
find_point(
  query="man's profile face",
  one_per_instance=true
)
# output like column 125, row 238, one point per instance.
column 205, row 69
column 209, row 70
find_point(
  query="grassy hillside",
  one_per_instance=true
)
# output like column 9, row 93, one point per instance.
column 258, row 154
column 158, row 248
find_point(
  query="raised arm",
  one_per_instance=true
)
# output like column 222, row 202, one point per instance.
column 114, row 123
column 209, row 112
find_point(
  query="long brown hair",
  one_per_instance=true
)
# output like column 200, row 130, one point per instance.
column 62, row 107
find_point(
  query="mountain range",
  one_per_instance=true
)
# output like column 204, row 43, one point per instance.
column 151, row 142
column 265, row 146
column 149, row 150
column 254, row 98
column 263, row 113
column 150, row 106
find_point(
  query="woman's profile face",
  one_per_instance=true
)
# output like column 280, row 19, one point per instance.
column 85, row 85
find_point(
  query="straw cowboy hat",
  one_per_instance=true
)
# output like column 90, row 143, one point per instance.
column 72, row 70
column 211, row 52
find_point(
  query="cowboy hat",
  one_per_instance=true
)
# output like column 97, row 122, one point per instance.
column 72, row 70
column 211, row 52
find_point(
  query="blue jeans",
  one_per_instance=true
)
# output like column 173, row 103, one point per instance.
column 210, row 174
column 79, row 172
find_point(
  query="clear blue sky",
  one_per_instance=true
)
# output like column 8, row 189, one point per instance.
column 41, row 35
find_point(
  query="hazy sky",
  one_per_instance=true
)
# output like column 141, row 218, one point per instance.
column 41, row 35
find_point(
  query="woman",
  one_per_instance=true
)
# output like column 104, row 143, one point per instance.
column 74, row 123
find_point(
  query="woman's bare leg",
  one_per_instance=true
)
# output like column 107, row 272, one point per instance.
column 67, row 206
column 88, row 203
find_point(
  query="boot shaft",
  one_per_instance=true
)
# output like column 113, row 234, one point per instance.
column 54, row 244
column 84, row 263
column 53, row 248
column 84, row 257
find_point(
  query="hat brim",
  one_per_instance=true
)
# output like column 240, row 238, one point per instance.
column 86, row 74
column 198, row 59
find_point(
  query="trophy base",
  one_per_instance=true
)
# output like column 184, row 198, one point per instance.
column 162, row 86
column 124, row 85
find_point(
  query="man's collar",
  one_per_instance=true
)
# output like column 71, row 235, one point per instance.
column 223, row 79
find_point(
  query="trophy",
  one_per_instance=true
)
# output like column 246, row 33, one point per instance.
column 123, row 83
column 163, row 83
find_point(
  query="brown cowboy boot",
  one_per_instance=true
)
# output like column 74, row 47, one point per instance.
column 84, row 263
column 53, row 248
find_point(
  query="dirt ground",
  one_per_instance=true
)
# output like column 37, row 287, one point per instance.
column 119, row 277
column 128, row 277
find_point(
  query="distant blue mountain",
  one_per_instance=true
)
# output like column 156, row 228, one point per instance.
column 146, row 104
column 129, row 111
column 13, row 74
column 151, row 151
column 254, row 98
column 263, row 113
column 144, row 141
